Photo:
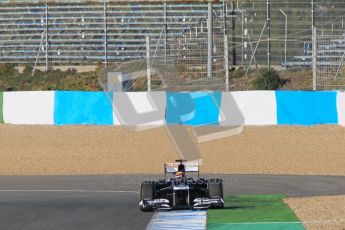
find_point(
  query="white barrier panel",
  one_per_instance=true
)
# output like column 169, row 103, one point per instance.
column 257, row 107
column 29, row 108
column 341, row 108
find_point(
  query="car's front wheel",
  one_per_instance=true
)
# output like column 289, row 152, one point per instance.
column 147, row 192
column 215, row 188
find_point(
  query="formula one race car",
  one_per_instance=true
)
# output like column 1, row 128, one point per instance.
column 180, row 191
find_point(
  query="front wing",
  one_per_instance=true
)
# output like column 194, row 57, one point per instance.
column 198, row 203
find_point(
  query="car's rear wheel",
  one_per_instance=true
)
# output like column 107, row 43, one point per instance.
column 147, row 192
column 215, row 188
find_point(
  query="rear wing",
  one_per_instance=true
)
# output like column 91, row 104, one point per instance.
column 191, row 166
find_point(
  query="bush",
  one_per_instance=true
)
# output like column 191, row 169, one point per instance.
column 27, row 70
column 237, row 73
column 267, row 79
column 12, row 80
column 8, row 69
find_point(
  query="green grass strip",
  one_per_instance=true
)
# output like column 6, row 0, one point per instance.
column 247, row 212
column 1, row 107
column 257, row 226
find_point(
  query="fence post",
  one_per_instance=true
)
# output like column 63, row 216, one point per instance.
column 105, row 42
column 285, row 37
column 233, row 34
column 47, row 38
column 165, row 33
column 226, row 62
column 148, row 63
column 209, row 40
column 268, row 34
column 242, row 38
column 314, row 57
column 312, row 14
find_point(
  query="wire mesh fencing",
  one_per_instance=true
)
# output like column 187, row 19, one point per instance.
column 259, row 32
column 330, row 63
column 78, row 33
column 191, row 60
column 181, row 65
column 185, row 67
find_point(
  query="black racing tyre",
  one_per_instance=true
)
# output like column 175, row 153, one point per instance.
column 215, row 188
column 147, row 191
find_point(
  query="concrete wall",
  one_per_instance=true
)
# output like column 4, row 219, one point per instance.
column 159, row 108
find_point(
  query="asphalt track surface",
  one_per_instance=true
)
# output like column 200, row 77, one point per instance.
column 111, row 201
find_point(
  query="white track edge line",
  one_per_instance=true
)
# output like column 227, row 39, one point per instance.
column 80, row 191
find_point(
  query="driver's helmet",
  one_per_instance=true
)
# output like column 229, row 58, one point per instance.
column 181, row 168
column 180, row 171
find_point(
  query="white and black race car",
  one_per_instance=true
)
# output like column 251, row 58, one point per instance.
column 180, row 191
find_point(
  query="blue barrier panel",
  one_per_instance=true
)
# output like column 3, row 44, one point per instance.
column 87, row 108
column 195, row 109
column 306, row 108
